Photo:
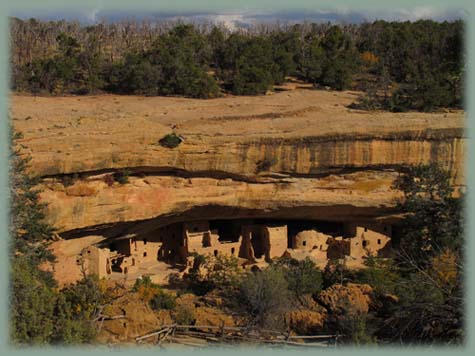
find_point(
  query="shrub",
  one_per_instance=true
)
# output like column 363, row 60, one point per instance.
column 336, row 272
column 145, row 288
column 198, row 286
column 264, row 296
column 32, row 304
column 77, row 309
column 152, row 294
column 380, row 274
column 184, row 314
column 121, row 177
column 303, row 277
column 223, row 271
column 220, row 272
column 365, row 102
column 355, row 327
column 162, row 300
column 170, row 141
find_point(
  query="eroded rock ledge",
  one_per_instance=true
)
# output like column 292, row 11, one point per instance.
column 294, row 154
column 90, row 202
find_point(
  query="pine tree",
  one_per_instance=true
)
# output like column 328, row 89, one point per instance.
column 29, row 231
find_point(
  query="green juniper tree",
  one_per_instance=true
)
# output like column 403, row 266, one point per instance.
column 39, row 312
column 430, row 261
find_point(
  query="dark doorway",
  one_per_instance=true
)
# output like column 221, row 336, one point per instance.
column 228, row 230
column 257, row 242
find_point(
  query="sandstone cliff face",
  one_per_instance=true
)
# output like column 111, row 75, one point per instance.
column 92, row 202
column 295, row 154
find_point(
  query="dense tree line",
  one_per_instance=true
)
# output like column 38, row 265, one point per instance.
column 423, row 62
column 399, row 65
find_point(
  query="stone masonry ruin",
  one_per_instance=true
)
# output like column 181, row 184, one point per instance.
column 252, row 241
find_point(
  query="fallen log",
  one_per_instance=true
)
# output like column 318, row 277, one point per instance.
column 140, row 338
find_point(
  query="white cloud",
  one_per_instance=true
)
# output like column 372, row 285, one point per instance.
column 231, row 21
column 243, row 18
column 92, row 15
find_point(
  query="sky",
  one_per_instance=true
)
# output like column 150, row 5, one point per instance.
column 243, row 18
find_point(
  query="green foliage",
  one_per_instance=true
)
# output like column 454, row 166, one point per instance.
column 247, row 67
column 68, row 180
column 340, row 59
column 76, row 311
column 170, row 140
column 365, row 102
column 72, row 69
column 381, row 274
column 152, row 294
column 213, row 272
column 162, row 300
column 183, row 55
column 328, row 61
column 39, row 314
column 134, row 74
column 177, row 64
column 424, row 57
column 122, row 177
column 336, row 272
column 427, row 312
column 426, row 92
column 28, row 229
column 434, row 217
column 356, row 328
column 430, row 309
column 284, row 53
column 224, row 271
column 216, row 40
column 303, row 277
column 184, row 314
column 264, row 295
column 31, row 304
column 418, row 65
column 199, row 286
column 310, row 59
column 144, row 281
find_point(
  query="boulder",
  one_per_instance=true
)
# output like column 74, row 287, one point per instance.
column 350, row 298
column 305, row 322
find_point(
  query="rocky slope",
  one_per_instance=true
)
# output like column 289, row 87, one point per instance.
column 296, row 154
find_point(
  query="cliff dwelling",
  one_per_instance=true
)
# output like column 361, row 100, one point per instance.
column 296, row 179
column 252, row 241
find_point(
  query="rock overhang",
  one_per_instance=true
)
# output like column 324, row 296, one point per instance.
column 272, row 156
